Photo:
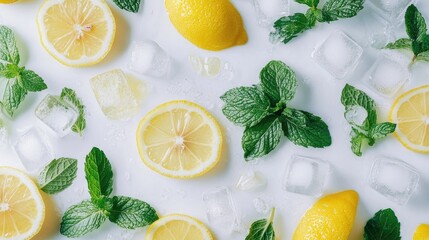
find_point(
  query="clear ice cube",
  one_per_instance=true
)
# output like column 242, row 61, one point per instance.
column 148, row 58
column 206, row 66
column 114, row 95
column 57, row 115
column 394, row 179
column 220, row 209
column 391, row 9
column 338, row 54
column 356, row 115
column 261, row 206
column 34, row 150
column 251, row 181
column 306, row 176
column 386, row 77
column 268, row 11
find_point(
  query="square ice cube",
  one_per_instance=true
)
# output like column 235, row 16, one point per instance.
column 114, row 95
column 148, row 58
column 391, row 9
column 58, row 115
column 220, row 209
column 338, row 54
column 268, row 11
column 34, row 150
column 394, row 179
column 306, row 176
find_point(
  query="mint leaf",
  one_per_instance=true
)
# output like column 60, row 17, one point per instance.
column 58, row 175
column 99, row 175
column 383, row 226
column 357, row 141
column 128, row 5
column 11, row 71
column 81, row 219
column 262, row 138
column 262, row 229
column 310, row 3
column 70, row 96
column 32, row 82
column 381, row 130
column 245, row 106
column 312, row 133
column 13, row 96
column 131, row 213
column 352, row 96
column 424, row 56
column 278, row 81
column 287, row 28
column 336, row 9
column 415, row 24
column 403, row 43
column 8, row 50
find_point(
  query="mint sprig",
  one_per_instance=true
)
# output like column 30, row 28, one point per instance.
column 287, row 28
column 89, row 215
column 262, row 229
column 383, row 226
column 369, row 131
column 69, row 95
column 58, row 175
column 20, row 81
column 128, row 5
column 264, row 113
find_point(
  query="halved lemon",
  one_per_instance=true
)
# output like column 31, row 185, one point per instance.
column 177, row 226
column 22, row 210
column 179, row 139
column 411, row 112
column 76, row 32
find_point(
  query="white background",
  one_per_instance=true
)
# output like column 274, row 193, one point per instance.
column 318, row 92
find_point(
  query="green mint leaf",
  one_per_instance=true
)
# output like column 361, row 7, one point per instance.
column 352, row 96
column 287, row 28
column 357, row 142
column 11, row 71
column 131, row 213
column 99, row 175
column 13, row 96
column 310, row 3
column 8, row 50
column 32, row 82
column 383, row 226
column 245, row 106
column 403, row 43
column 312, row 16
column 336, row 9
column 415, row 24
column 58, row 175
column 262, row 138
column 81, row 219
column 278, row 81
column 128, row 5
column 262, row 229
column 69, row 95
column 381, row 130
column 314, row 133
column 424, row 56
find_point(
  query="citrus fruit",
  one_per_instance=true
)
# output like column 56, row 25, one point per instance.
column 177, row 226
column 422, row 232
column 411, row 113
column 22, row 210
column 179, row 139
column 211, row 25
column 76, row 33
column 8, row 1
column 331, row 217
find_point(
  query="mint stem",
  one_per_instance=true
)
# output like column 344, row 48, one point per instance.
column 271, row 218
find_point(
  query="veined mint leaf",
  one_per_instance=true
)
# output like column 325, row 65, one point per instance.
column 352, row 96
column 99, row 175
column 8, row 50
column 262, row 138
column 336, row 9
column 131, row 213
column 58, row 175
column 262, row 229
column 382, row 130
column 70, row 96
column 310, row 3
column 424, row 56
column 245, row 106
column 403, row 43
column 13, row 96
column 278, row 81
column 128, row 5
column 383, row 226
column 357, row 141
column 81, row 219
column 32, row 82
column 12, row 71
column 287, row 28
column 415, row 24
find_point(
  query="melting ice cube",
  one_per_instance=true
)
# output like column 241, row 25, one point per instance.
column 268, row 11
column 251, row 181
column 391, row 9
column 261, row 206
column 148, row 58
column 356, row 115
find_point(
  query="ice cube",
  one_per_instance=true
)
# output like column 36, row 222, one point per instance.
column 338, row 54
column 268, row 11
column 34, row 150
column 148, row 58
column 114, row 95
column 57, row 115
column 394, row 179
column 220, row 209
column 391, row 9
column 261, row 206
column 356, row 115
column 251, row 181
column 305, row 175
column 386, row 77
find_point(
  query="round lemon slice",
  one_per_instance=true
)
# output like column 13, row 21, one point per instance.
column 411, row 112
column 178, row 226
column 76, row 32
column 179, row 139
column 22, row 210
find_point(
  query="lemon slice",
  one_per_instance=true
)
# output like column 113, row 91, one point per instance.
column 411, row 112
column 22, row 210
column 179, row 139
column 178, row 226
column 76, row 33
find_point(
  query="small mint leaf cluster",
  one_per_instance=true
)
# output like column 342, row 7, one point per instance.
column 263, row 111
column 262, row 229
column 383, row 226
column 288, row 28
